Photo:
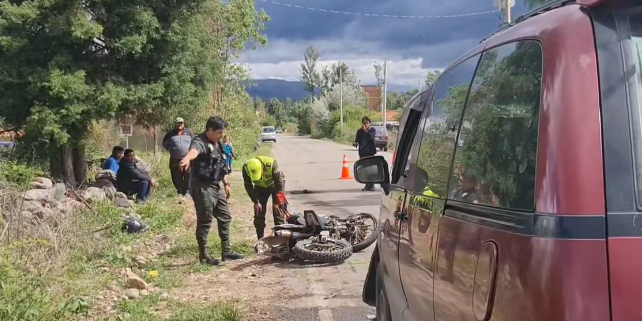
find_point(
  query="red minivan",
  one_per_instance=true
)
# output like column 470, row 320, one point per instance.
column 516, row 184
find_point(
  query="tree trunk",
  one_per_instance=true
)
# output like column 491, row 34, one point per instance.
column 67, row 165
column 79, row 161
column 55, row 167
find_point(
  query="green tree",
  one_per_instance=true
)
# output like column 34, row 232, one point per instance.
column 431, row 77
column 68, row 63
column 536, row 3
column 309, row 75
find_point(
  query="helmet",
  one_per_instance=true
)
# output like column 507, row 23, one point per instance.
column 254, row 169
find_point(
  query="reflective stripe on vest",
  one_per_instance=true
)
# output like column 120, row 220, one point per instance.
column 267, row 179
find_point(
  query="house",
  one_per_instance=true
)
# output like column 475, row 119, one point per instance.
column 373, row 94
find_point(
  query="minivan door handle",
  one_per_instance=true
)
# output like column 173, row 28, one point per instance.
column 401, row 216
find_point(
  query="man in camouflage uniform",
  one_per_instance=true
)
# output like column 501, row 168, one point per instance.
column 206, row 159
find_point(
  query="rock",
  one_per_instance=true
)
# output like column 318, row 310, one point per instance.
column 94, row 194
column 104, row 269
column 38, row 195
column 164, row 296
column 120, row 199
column 134, row 281
column 41, row 183
column 36, row 209
column 144, row 293
column 59, row 192
column 140, row 260
column 132, row 293
column 114, row 287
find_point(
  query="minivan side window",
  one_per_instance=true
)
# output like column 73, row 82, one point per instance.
column 404, row 150
column 496, row 158
column 440, row 130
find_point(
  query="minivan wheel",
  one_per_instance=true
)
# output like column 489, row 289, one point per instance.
column 383, row 307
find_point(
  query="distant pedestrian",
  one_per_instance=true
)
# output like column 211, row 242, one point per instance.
column 111, row 163
column 229, row 152
column 177, row 143
column 365, row 141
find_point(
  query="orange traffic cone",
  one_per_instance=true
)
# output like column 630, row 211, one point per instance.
column 345, row 171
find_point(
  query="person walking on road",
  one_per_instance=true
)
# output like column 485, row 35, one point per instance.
column 262, row 178
column 206, row 158
column 229, row 152
column 177, row 142
column 365, row 142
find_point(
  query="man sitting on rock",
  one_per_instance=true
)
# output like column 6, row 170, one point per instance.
column 131, row 180
column 111, row 163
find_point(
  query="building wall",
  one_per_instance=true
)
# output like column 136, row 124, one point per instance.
column 373, row 93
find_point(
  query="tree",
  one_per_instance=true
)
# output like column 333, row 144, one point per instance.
column 67, row 63
column 309, row 75
column 536, row 3
column 431, row 77
column 332, row 76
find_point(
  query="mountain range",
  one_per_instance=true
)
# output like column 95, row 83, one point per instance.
column 295, row 90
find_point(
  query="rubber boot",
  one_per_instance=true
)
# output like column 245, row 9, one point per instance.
column 228, row 254
column 204, row 258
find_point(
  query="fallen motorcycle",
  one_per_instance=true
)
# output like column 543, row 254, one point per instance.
column 316, row 239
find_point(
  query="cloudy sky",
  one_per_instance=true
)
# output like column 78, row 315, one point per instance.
column 412, row 46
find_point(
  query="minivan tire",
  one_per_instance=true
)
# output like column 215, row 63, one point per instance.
column 382, row 305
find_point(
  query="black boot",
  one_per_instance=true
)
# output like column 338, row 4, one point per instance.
column 204, row 258
column 259, row 234
column 228, row 254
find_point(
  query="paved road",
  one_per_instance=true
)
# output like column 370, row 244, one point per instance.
column 326, row 293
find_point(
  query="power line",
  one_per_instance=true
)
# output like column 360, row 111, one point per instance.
column 378, row 15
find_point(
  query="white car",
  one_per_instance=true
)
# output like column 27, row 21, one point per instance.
column 268, row 133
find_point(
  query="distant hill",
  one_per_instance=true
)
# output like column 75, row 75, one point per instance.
column 281, row 89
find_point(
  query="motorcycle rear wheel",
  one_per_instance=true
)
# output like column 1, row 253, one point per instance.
column 332, row 251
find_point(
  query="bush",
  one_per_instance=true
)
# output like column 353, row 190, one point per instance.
column 18, row 174
column 351, row 122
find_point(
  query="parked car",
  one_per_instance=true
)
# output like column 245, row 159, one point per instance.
column 381, row 138
column 279, row 131
column 268, row 133
column 515, row 190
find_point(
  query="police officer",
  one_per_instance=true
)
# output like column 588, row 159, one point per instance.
column 206, row 159
column 262, row 178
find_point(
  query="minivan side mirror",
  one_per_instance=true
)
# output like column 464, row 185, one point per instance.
column 372, row 170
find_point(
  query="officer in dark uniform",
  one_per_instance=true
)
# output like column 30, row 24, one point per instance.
column 206, row 158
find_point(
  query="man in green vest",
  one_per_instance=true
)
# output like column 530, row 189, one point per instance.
column 262, row 178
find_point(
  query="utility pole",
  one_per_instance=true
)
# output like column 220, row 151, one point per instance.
column 505, row 6
column 341, row 96
column 385, row 91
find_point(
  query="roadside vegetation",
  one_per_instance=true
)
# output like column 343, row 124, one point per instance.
column 73, row 267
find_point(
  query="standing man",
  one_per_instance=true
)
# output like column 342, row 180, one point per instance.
column 365, row 140
column 206, row 158
column 262, row 178
column 177, row 142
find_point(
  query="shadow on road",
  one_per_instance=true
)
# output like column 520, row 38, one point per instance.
column 352, row 202
column 292, row 264
column 337, row 191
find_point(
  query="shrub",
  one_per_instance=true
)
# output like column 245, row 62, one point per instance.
column 18, row 174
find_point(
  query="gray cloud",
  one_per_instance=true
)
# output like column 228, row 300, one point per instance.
column 436, row 41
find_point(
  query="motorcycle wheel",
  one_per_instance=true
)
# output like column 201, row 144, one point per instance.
column 361, row 245
column 332, row 251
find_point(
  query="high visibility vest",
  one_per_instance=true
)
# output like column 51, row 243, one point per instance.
column 267, row 176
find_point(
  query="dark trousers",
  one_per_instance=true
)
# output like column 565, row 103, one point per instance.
column 180, row 178
column 368, row 186
column 259, row 218
column 210, row 203
column 142, row 190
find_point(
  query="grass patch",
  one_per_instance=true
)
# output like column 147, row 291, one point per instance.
column 222, row 311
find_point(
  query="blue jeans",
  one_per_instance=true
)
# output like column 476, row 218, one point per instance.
column 142, row 189
column 229, row 163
